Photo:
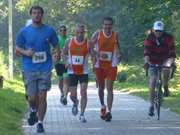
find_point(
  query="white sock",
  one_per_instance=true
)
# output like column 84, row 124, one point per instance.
column 33, row 110
column 39, row 121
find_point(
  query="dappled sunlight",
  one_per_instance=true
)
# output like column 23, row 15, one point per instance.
column 122, row 67
column 15, row 85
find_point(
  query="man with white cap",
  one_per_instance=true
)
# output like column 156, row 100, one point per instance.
column 159, row 48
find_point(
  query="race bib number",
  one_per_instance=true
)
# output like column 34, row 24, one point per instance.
column 77, row 60
column 105, row 56
column 39, row 57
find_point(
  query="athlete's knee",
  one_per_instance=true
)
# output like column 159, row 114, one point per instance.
column 110, row 92
column 83, row 91
column 32, row 98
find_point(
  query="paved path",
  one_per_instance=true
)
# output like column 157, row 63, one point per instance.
column 129, row 118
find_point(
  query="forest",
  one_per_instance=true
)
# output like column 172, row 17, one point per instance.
column 132, row 19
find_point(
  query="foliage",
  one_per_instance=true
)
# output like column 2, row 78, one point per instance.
column 132, row 18
column 121, row 76
column 3, row 10
column 3, row 66
column 12, row 109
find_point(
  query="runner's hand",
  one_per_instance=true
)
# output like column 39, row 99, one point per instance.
column 146, row 66
column 29, row 52
column 68, row 66
column 56, row 57
column 119, row 59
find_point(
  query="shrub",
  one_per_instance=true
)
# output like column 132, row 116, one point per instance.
column 122, row 76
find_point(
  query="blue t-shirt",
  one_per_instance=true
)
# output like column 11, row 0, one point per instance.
column 39, row 39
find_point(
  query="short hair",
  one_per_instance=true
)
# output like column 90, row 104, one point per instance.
column 36, row 7
column 63, row 26
column 80, row 25
column 108, row 18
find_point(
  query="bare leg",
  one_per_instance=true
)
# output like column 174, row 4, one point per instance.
column 109, row 94
column 61, row 86
column 101, row 84
column 152, row 83
column 83, row 97
column 73, row 94
column 65, row 87
column 165, row 79
column 33, row 101
column 42, row 105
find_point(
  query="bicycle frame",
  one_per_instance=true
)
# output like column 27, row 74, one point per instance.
column 158, row 90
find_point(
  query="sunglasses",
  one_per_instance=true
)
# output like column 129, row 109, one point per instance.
column 158, row 31
column 63, row 30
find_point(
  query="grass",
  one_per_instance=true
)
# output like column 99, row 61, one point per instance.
column 12, row 107
column 136, row 84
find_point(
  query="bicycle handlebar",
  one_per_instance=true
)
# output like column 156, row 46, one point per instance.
column 160, row 66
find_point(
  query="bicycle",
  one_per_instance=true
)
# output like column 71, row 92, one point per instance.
column 158, row 89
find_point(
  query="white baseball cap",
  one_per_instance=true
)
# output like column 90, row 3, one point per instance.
column 158, row 25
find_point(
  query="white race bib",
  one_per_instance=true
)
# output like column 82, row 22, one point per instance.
column 77, row 60
column 105, row 56
column 39, row 57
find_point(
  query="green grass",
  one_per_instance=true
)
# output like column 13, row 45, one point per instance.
column 12, row 108
column 136, row 84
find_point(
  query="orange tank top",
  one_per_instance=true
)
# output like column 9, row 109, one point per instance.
column 106, row 47
column 78, row 52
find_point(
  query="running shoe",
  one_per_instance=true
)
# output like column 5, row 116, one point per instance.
column 108, row 117
column 75, row 108
column 64, row 100
column 103, row 112
column 32, row 118
column 82, row 118
column 151, row 111
column 40, row 128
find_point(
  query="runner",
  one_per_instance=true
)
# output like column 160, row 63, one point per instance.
column 106, row 47
column 77, row 51
column 33, row 45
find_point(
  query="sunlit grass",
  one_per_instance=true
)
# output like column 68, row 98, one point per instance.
column 12, row 107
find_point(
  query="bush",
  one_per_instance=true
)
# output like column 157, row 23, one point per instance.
column 3, row 66
column 122, row 76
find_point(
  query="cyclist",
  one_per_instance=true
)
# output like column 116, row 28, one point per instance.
column 159, row 48
column 77, row 51
column 106, row 46
column 60, row 67
column 33, row 45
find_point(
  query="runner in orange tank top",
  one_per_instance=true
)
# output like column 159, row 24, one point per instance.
column 75, row 55
column 106, row 48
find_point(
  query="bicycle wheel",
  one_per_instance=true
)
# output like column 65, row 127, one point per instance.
column 158, row 99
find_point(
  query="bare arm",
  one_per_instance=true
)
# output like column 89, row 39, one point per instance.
column 91, row 50
column 56, row 54
column 65, row 53
column 26, row 52
column 94, row 37
column 93, row 41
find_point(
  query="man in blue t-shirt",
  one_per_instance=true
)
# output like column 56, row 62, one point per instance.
column 33, row 44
